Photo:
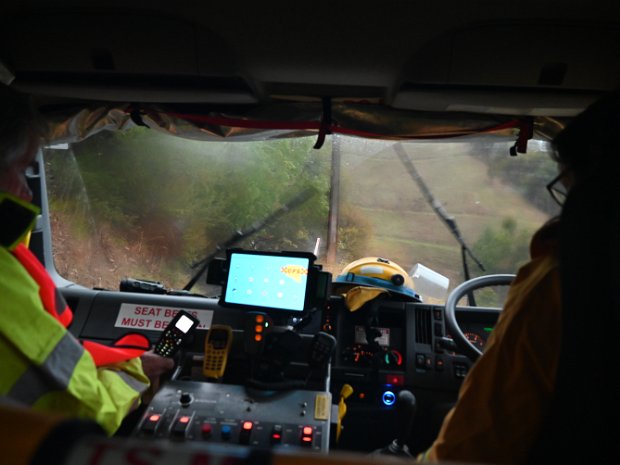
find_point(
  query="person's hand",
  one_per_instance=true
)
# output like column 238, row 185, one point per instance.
column 154, row 366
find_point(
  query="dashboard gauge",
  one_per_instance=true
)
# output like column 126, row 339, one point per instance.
column 475, row 339
column 393, row 358
column 357, row 354
column 360, row 354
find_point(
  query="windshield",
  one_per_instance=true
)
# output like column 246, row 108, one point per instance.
column 147, row 205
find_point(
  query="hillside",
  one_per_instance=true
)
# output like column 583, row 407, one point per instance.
column 404, row 226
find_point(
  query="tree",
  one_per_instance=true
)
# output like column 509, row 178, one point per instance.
column 173, row 200
column 499, row 249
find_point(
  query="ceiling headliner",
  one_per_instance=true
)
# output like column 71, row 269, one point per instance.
column 488, row 56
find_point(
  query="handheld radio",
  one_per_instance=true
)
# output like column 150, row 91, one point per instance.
column 217, row 346
column 178, row 330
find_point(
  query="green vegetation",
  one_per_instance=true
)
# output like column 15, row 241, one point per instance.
column 528, row 175
column 504, row 248
column 173, row 200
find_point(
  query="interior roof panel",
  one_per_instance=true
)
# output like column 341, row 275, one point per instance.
column 321, row 47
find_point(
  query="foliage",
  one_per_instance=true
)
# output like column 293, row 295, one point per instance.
column 354, row 230
column 175, row 200
column 501, row 250
column 527, row 174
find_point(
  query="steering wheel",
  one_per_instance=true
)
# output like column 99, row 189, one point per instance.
column 462, row 343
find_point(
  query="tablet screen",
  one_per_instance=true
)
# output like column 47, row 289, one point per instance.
column 265, row 280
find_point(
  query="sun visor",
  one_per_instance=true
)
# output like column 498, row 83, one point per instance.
column 118, row 56
column 535, row 67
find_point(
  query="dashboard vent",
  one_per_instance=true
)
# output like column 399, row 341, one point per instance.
column 423, row 330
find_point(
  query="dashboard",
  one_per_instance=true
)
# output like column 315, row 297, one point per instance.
column 407, row 350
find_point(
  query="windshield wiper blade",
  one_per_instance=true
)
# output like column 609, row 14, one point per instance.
column 295, row 202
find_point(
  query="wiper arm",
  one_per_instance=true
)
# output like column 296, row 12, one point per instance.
column 447, row 219
column 296, row 201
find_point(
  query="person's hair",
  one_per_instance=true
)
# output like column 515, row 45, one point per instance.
column 20, row 125
column 589, row 143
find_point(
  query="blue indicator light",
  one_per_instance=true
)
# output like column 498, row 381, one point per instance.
column 226, row 432
column 388, row 398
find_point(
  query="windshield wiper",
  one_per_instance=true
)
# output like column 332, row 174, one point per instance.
column 295, row 202
column 447, row 219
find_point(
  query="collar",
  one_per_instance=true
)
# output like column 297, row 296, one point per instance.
column 17, row 218
column 546, row 239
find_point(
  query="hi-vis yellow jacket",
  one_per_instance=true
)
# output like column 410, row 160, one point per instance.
column 46, row 368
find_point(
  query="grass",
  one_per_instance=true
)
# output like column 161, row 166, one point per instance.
column 406, row 229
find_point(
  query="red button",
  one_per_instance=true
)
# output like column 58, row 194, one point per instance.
column 276, row 434
column 307, row 431
column 247, row 425
column 395, row 380
column 206, row 429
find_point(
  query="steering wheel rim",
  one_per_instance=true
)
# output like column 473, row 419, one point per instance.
column 461, row 342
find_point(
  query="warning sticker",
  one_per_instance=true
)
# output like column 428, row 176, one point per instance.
column 157, row 318
column 383, row 339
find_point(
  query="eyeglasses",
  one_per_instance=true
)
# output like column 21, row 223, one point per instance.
column 557, row 190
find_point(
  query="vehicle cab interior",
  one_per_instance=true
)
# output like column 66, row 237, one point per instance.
column 315, row 210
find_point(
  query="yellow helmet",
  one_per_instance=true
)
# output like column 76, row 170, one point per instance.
column 378, row 272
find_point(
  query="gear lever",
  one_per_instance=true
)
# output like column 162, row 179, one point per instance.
column 406, row 407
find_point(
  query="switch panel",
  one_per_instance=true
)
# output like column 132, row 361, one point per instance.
column 236, row 415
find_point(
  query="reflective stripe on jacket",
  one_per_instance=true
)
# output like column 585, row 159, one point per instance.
column 45, row 367
column 56, row 305
column 51, row 298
